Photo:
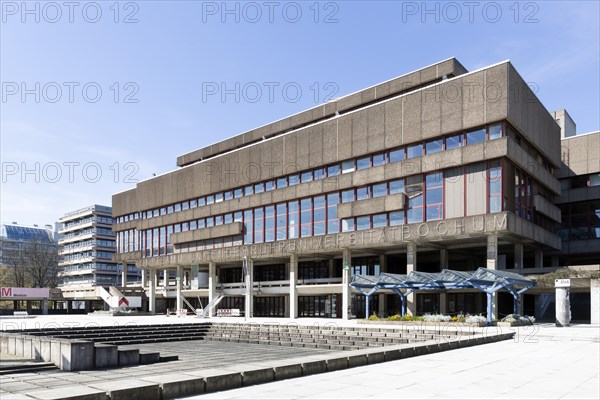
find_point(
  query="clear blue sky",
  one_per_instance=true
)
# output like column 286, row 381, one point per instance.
column 169, row 59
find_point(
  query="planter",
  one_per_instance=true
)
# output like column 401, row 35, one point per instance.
column 422, row 323
column 516, row 323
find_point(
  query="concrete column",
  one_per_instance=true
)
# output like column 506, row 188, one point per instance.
column 124, row 274
column 144, row 280
column 518, row 255
column 563, row 306
column 346, row 265
column 411, row 265
column 293, row 283
column 539, row 258
column 212, row 284
column 443, row 259
column 443, row 302
column 166, row 277
column 194, row 277
column 179, row 282
column 249, row 288
column 152, row 292
column 492, row 263
column 595, row 301
column 382, row 297
column 492, row 252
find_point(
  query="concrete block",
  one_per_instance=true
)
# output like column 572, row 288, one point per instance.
column 36, row 348
column 11, row 343
column 19, row 345
column 334, row 364
column 257, row 376
column 74, row 392
column 4, row 343
column 314, row 367
column 128, row 357
column 55, row 356
column 182, row 388
column 27, row 347
column 391, row 355
column 149, row 357
column 287, row 371
column 223, row 382
column 46, row 349
column 433, row 348
column 105, row 356
column 357, row 360
column 129, row 389
column 376, row 358
column 407, row 352
column 76, row 355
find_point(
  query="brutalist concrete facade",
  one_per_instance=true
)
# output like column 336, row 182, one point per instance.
column 456, row 168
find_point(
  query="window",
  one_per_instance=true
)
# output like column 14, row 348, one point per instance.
column 305, row 218
column 228, row 195
column 210, row 199
column 259, row 188
column 347, row 166
column 396, row 155
column 219, row 197
column 210, row 221
column 248, row 190
column 333, row 223
column 379, row 220
column 201, row 201
column 347, row 224
column 495, row 187
column 379, row 159
column 238, row 216
column 348, row 196
column 201, row 223
column 397, row 186
column 248, row 227
column 259, row 227
column 495, row 131
column 193, row 203
column 293, row 225
column 219, row 220
column 434, row 195
column 228, row 218
column 333, row 170
column 595, row 180
column 306, row 176
column 319, row 215
column 363, row 163
column 193, row 225
column 414, row 151
column 281, row 182
column 170, row 210
column 281, row 221
column 379, row 189
column 270, row 185
column 293, row 180
column 363, row 223
column 363, row 193
column 476, row 136
column 237, row 193
column 414, row 192
column 163, row 211
column 396, row 218
column 319, row 173
column 269, row 223
column 434, row 146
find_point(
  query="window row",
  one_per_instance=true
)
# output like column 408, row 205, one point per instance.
column 424, row 200
column 446, row 142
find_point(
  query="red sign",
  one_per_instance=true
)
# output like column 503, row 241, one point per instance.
column 123, row 300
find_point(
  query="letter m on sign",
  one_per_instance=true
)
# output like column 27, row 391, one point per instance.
column 6, row 292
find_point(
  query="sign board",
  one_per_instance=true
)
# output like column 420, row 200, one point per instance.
column 24, row 293
column 126, row 301
column 561, row 283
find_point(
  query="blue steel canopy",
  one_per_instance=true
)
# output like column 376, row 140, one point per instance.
column 486, row 280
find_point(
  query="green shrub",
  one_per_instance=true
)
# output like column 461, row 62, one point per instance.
column 373, row 318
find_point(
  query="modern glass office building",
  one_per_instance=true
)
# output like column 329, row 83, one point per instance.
column 438, row 168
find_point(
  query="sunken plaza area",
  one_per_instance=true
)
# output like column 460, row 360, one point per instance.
column 177, row 357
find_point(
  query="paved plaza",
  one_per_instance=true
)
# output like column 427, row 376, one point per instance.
column 553, row 363
column 541, row 362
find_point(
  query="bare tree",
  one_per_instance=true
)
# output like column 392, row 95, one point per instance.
column 31, row 264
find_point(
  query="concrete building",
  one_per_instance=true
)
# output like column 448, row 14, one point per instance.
column 15, row 238
column 87, row 245
column 438, row 168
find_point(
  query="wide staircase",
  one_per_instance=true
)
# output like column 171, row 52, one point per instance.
column 325, row 337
